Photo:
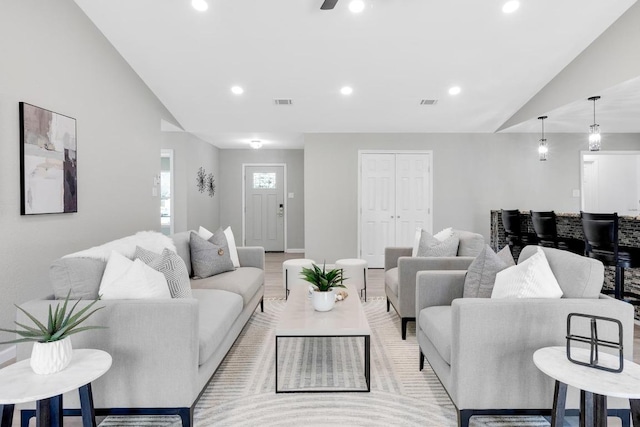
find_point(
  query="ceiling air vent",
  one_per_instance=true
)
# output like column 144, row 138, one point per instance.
column 428, row 102
column 282, row 101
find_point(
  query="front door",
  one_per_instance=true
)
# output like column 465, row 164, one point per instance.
column 264, row 207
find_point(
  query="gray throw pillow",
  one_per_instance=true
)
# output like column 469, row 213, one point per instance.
column 210, row 257
column 81, row 276
column 430, row 246
column 481, row 275
column 505, row 255
column 172, row 266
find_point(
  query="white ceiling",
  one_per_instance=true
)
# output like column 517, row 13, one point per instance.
column 394, row 54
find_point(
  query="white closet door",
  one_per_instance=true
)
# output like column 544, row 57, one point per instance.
column 378, row 206
column 413, row 196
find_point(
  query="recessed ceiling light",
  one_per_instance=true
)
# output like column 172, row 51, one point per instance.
column 511, row 6
column 356, row 6
column 200, row 5
column 454, row 90
column 255, row 144
column 237, row 90
column 346, row 90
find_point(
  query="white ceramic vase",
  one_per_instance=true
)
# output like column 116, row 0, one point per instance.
column 51, row 357
column 323, row 301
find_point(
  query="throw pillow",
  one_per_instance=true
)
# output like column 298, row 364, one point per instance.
column 80, row 275
column 233, row 251
column 126, row 279
column 416, row 242
column 172, row 266
column 204, row 233
column 505, row 255
column 430, row 246
column 210, row 257
column 481, row 275
column 443, row 235
column 532, row 278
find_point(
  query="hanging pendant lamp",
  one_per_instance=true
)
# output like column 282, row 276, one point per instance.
column 594, row 129
column 543, row 148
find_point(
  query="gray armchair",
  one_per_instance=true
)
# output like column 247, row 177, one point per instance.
column 400, row 272
column 482, row 349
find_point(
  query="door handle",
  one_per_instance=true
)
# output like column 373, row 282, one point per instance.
column 281, row 210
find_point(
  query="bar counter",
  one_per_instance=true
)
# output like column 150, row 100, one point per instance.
column 569, row 227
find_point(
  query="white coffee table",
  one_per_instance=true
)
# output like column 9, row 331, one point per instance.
column 595, row 384
column 19, row 384
column 346, row 319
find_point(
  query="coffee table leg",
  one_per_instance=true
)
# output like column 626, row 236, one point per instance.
column 6, row 415
column 86, row 405
column 559, row 402
column 277, row 364
column 367, row 360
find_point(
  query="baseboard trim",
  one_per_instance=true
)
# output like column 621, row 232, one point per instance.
column 7, row 355
column 295, row 251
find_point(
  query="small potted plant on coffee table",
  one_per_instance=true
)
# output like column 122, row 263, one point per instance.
column 323, row 282
column 52, row 346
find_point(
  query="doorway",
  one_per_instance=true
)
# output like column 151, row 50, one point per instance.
column 264, row 207
column 166, row 191
column 395, row 198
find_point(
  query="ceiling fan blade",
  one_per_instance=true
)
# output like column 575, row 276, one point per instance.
column 328, row 4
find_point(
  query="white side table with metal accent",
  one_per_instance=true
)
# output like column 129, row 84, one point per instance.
column 355, row 271
column 19, row 384
column 291, row 269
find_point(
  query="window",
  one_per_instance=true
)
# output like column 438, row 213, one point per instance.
column 264, row 180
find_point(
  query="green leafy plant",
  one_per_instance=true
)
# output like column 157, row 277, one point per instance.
column 59, row 326
column 321, row 279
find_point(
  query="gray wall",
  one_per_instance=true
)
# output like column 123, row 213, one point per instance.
column 54, row 57
column 193, row 209
column 473, row 173
column 231, row 189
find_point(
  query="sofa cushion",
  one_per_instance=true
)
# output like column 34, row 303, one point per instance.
column 470, row 244
column 209, row 257
column 217, row 312
column 244, row 281
column 172, row 266
column 578, row 276
column 81, row 276
column 481, row 275
column 435, row 322
column 391, row 279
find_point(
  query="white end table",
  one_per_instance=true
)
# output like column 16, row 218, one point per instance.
column 355, row 271
column 19, row 384
column 291, row 270
column 594, row 384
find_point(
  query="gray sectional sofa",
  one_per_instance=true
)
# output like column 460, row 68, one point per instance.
column 165, row 351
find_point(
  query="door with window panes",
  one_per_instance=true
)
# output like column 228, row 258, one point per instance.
column 264, row 207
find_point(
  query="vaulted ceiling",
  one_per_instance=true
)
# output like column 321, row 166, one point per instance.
column 394, row 54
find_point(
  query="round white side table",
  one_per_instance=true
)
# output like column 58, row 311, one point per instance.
column 291, row 269
column 19, row 384
column 595, row 384
column 355, row 271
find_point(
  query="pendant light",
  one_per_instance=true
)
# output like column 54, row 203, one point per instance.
column 543, row 149
column 594, row 129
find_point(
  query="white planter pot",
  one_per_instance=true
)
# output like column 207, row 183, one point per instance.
column 323, row 301
column 51, row 357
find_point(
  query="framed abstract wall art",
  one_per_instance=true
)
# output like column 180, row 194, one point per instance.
column 48, row 162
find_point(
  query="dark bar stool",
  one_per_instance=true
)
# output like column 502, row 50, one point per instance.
column 513, row 230
column 601, row 242
column 544, row 225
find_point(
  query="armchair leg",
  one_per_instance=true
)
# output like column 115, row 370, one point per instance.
column 421, row 360
column 261, row 305
column 406, row 320
column 464, row 417
column 388, row 305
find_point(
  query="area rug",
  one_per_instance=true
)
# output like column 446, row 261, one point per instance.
column 242, row 392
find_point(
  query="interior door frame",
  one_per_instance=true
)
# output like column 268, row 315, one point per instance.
column 168, row 152
column 244, row 201
column 360, row 153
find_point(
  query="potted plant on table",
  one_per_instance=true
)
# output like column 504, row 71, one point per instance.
column 323, row 282
column 52, row 346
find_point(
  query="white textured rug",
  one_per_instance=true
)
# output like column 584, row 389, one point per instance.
column 242, row 392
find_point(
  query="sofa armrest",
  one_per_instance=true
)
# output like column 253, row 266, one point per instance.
column 251, row 256
column 391, row 255
column 154, row 345
column 493, row 341
column 438, row 287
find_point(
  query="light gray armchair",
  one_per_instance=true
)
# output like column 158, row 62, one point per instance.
column 482, row 349
column 400, row 272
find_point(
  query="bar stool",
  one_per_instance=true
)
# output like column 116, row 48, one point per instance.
column 291, row 270
column 513, row 230
column 544, row 225
column 355, row 271
column 601, row 242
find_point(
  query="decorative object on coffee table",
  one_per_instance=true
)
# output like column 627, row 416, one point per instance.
column 324, row 282
column 594, row 342
column 52, row 346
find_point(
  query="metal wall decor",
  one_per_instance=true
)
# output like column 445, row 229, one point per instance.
column 594, row 342
column 205, row 182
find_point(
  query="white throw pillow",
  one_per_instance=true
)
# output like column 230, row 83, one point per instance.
column 204, row 233
column 233, row 251
column 443, row 235
column 126, row 279
column 532, row 278
column 416, row 242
